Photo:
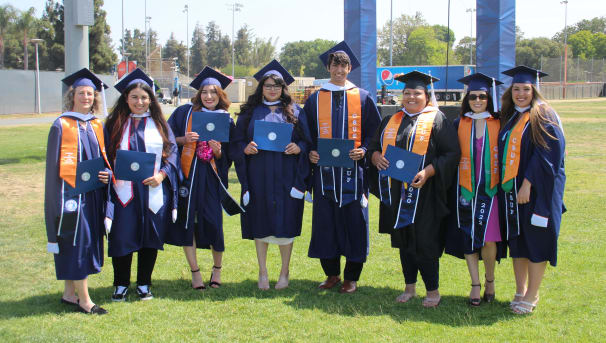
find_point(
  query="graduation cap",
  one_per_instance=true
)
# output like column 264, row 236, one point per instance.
column 209, row 76
column 482, row 82
column 84, row 77
column 479, row 82
column 416, row 79
column 275, row 68
column 136, row 76
column 524, row 74
column 341, row 47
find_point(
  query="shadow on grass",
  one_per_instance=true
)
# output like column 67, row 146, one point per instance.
column 300, row 295
column 31, row 158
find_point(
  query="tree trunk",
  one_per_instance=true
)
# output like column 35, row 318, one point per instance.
column 1, row 52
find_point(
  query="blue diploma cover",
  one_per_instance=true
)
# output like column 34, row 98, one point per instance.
column 211, row 126
column 134, row 165
column 87, row 176
column 334, row 152
column 272, row 136
column 403, row 164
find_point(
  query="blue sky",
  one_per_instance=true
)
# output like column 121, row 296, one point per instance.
column 293, row 20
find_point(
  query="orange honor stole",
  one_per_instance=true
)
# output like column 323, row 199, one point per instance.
column 68, row 160
column 354, row 115
column 491, row 155
column 511, row 157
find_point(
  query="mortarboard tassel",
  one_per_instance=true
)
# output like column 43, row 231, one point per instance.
column 495, row 107
column 434, row 101
column 538, row 87
column 104, row 101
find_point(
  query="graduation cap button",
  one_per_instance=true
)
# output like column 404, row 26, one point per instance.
column 335, row 152
column 134, row 166
column 210, row 127
column 272, row 136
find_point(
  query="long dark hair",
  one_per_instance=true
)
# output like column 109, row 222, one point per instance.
column 120, row 114
column 489, row 106
column 256, row 99
column 223, row 101
column 540, row 115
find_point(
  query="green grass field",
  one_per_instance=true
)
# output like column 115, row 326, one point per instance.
column 571, row 309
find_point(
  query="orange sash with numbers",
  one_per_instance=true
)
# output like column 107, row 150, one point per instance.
column 68, row 159
column 354, row 115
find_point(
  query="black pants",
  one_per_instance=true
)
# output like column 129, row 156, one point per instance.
column 429, row 268
column 332, row 267
column 146, row 259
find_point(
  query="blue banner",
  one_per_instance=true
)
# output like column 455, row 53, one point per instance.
column 361, row 35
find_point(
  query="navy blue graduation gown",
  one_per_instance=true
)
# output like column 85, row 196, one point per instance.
column 544, row 168
column 135, row 226
column 425, row 237
column 203, row 218
column 458, row 243
column 341, row 231
column 81, row 247
column 269, row 176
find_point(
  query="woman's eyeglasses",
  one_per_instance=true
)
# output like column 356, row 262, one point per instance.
column 270, row 87
column 474, row 97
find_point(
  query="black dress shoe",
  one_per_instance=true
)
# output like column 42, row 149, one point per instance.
column 63, row 301
column 94, row 310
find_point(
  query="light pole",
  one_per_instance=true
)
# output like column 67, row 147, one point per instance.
column 37, row 41
column 126, row 54
column 147, row 47
column 235, row 7
column 391, row 33
column 186, row 10
column 470, row 11
column 565, row 2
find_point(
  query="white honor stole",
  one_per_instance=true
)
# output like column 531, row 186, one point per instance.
column 153, row 145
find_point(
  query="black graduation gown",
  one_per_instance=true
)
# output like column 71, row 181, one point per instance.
column 426, row 236
column 458, row 243
column 544, row 168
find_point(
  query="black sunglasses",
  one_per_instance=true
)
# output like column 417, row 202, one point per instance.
column 474, row 97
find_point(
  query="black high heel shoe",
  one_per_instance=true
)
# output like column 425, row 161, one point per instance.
column 212, row 283
column 199, row 288
column 475, row 301
column 488, row 297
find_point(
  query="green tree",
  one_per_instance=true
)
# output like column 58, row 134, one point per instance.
column 402, row 28
column 263, row 51
column 462, row 50
column 7, row 22
column 301, row 58
column 599, row 43
column 52, row 32
column 102, row 56
column 424, row 48
column 530, row 51
column 26, row 23
column 582, row 44
column 595, row 25
column 198, row 49
column 219, row 47
column 444, row 34
column 174, row 48
column 243, row 46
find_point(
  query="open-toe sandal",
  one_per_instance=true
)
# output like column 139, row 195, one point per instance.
column 199, row 288
column 475, row 301
column 211, row 283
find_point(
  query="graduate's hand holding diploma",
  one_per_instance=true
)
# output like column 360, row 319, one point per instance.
column 314, row 157
column 104, row 177
column 292, row 149
column 357, row 154
column 379, row 161
column 155, row 180
column 422, row 176
column 191, row 137
column 251, row 148
column 524, row 192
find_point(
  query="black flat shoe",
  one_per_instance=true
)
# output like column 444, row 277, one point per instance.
column 94, row 310
column 63, row 301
